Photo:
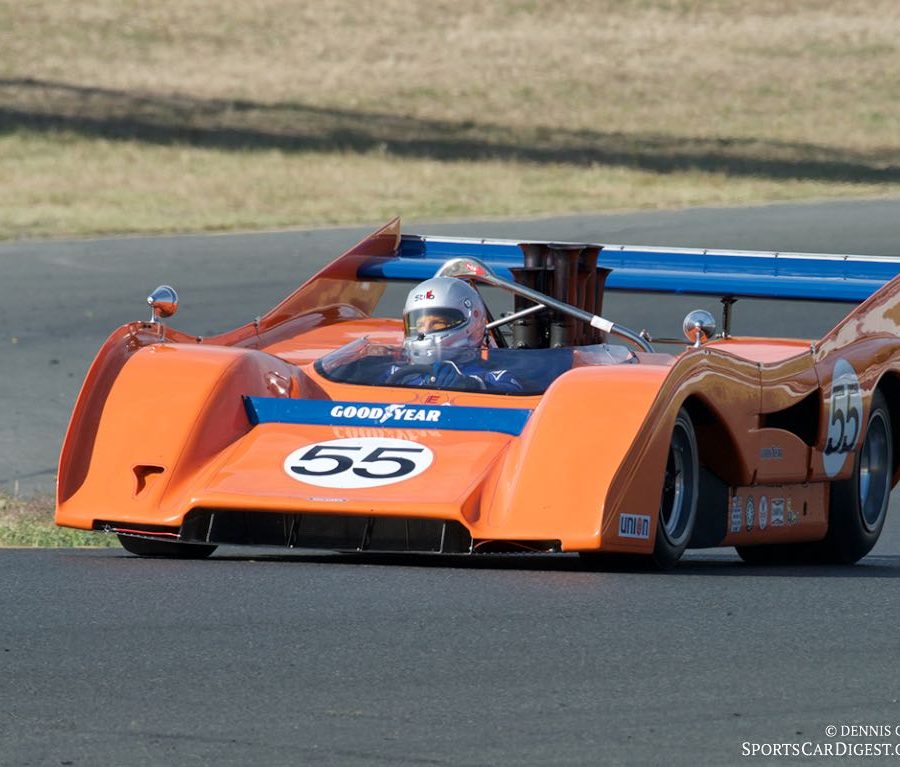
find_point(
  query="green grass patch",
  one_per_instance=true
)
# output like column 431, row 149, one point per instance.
column 29, row 523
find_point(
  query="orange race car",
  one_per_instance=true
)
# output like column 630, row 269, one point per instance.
column 544, row 428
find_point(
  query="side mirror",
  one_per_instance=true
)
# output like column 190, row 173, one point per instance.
column 163, row 303
column 464, row 267
column 699, row 326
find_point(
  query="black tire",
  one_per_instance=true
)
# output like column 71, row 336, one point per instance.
column 681, row 490
column 858, row 505
column 143, row 547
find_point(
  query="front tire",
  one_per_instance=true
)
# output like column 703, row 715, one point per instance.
column 681, row 490
column 144, row 547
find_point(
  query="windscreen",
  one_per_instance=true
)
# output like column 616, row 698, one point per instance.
column 495, row 371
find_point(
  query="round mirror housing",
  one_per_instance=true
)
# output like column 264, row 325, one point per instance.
column 163, row 303
column 464, row 268
column 699, row 326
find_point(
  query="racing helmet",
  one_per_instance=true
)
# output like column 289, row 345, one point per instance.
column 442, row 314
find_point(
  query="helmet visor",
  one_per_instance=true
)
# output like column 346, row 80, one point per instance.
column 432, row 320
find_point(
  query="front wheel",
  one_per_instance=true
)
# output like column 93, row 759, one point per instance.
column 678, row 504
column 144, row 547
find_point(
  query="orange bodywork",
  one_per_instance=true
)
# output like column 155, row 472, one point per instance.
column 160, row 429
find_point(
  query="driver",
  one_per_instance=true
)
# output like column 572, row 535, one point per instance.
column 444, row 321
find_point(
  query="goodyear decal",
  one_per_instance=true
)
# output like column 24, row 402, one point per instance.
column 385, row 415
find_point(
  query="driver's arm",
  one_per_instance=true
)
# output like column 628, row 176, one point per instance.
column 449, row 375
column 501, row 380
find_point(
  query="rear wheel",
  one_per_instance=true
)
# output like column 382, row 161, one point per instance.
column 858, row 506
column 678, row 504
column 143, row 547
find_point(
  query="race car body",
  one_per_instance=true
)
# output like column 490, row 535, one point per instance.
column 309, row 428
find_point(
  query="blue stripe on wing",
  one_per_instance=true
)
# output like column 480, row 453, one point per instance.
column 751, row 274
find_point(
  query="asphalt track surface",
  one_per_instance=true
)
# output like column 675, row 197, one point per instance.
column 269, row 658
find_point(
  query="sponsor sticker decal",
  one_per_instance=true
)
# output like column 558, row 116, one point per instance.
column 763, row 512
column 387, row 414
column 749, row 514
column 792, row 515
column 844, row 417
column 634, row 526
column 777, row 512
column 736, row 515
column 503, row 420
column 773, row 453
column 358, row 462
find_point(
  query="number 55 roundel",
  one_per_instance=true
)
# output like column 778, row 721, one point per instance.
column 844, row 414
column 358, row 462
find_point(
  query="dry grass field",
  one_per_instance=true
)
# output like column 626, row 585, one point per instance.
column 187, row 115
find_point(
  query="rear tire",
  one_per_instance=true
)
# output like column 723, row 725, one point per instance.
column 681, row 490
column 858, row 505
column 143, row 547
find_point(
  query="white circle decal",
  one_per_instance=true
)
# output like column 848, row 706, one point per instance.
column 844, row 417
column 358, row 462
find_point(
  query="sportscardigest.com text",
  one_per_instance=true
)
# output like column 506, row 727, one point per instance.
column 868, row 740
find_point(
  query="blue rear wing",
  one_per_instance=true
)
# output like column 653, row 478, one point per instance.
column 724, row 273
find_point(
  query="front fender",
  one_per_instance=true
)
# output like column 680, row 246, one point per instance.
column 166, row 410
column 562, row 480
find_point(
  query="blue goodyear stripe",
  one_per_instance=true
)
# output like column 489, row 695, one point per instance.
column 385, row 415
